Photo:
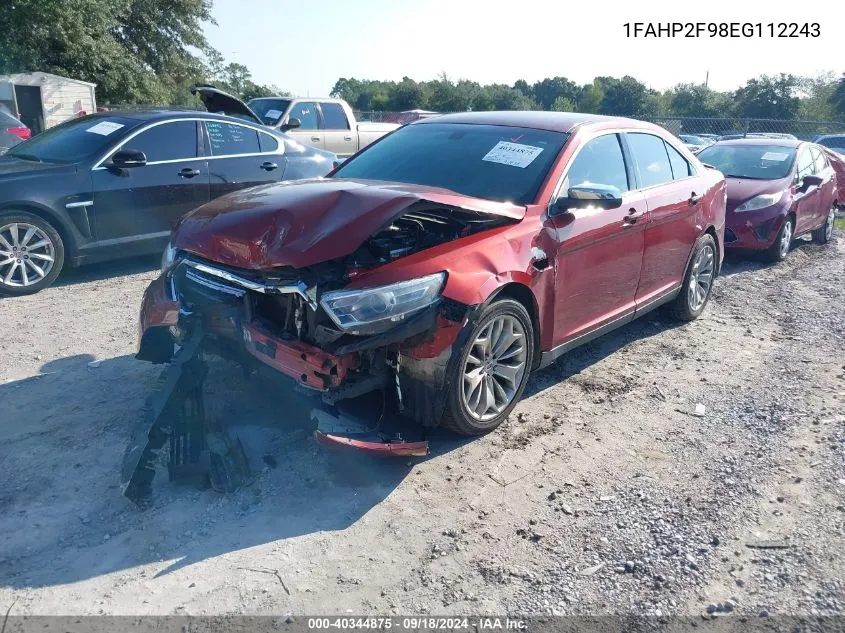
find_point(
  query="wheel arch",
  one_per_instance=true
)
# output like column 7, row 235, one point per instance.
column 525, row 296
column 48, row 215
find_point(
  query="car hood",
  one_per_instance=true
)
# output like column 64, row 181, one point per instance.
column 306, row 222
column 11, row 167
column 742, row 189
column 219, row 102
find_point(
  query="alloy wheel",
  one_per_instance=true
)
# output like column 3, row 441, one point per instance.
column 701, row 277
column 785, row 238
column 27, row 254
column 494, row 368
column 828, row 227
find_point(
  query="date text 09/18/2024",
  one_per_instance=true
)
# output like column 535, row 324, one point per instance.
column 722, row 29
column 417, row 623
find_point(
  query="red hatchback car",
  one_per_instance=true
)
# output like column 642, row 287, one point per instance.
column 777, row 190
column 444, row 262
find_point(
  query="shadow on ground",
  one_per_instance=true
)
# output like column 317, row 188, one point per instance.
column 108, row 270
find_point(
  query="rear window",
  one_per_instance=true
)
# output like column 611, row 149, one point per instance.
column 507, row 164
column 270, row 110
column 75, row 140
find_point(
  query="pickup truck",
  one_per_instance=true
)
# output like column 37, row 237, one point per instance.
column 327, row 124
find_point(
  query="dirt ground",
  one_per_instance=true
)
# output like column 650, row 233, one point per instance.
column 604, row 493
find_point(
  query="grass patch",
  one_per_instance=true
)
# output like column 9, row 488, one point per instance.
column 839, row 223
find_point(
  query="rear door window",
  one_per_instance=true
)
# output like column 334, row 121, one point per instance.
column 650, row 156
column 334, row 118
column 168, row 141
column 227, row 139
column 599, row 162
column 819, row 161
column 306, row 112
column 680, row 165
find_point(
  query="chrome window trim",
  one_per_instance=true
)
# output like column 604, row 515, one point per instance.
column 621, row 130
column 99, row 164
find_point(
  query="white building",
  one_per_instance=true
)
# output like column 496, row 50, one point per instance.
column 43, row 100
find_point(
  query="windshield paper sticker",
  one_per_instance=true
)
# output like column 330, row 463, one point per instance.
column 513, row 154
column 105, row 128
column 273, row 114
column 779, row 156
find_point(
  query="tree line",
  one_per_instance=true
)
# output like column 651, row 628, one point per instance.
column 781, row 96
column 151, row 51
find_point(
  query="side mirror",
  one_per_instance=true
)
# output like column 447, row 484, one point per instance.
column 589, row 195
column 126, row 158
column 811, row 181
column 291, row 124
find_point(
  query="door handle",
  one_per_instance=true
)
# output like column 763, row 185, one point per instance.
column 632, row 217
column 189, row 173
column 694, row 199
column 347, row 138
column 268, row 166
column 316, row 139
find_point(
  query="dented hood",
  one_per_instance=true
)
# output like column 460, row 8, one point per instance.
column 310, row 221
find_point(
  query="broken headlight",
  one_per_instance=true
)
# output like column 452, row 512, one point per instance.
column 375, row 310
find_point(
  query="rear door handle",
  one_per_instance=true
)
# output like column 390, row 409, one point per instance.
column 694, row 199
column 189, row 173
column 347, row 138
column 268, row 166
column 316, row 139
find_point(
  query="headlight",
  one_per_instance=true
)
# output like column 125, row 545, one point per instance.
column 168, row 258
column 374, row 310
column 760, row 202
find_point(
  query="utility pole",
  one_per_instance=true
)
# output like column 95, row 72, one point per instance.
column 707, row 79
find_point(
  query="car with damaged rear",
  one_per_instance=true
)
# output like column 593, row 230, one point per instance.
column 428, row 275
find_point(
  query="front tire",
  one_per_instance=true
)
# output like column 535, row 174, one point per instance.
column 778, row 251
column 698, row 280
column 823, row 234
column 31, row 253
column 490, row 372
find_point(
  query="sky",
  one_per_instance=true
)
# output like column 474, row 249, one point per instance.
column 304, row 47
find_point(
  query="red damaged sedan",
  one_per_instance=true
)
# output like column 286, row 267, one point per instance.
column 439, row 266
column 778, row 190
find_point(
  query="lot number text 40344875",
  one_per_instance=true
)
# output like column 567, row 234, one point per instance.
column 722, row 29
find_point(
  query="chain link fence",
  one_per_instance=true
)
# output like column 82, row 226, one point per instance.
column 723, row 126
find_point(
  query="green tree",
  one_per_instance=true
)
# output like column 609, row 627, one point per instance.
column 563, row 104
column 626, row 97
column 837, row 98
column 591, row 98
column 407, row 95
column 768, row 98
column 545, row 92
column 134, row 50
column 695, row 100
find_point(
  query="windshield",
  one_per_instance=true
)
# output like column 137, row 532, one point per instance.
column 695, row 140
column 506, row 164
column 836, row 143
column 270, row 110
column 74, row 140
column 757, row 162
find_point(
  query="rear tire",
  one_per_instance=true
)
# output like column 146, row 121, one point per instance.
column 698, row 280
column 779, row 249
column 32, row 253
column 823, row 234
column 487, row 377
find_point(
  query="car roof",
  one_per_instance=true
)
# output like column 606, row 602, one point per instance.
column 776, row 142
column 155, row 114
column 535, row 119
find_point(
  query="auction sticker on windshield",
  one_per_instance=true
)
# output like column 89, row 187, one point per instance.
column 105, row 128
column 513, row 154
column 775, row 156
column 273, row 114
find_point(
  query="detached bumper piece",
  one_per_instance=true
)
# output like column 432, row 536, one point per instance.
column 389, row 440
column 200, row 453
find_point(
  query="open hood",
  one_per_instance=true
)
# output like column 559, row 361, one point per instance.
column 220, row 102
column 307, row 222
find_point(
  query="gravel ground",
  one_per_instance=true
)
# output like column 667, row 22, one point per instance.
column 672, row 469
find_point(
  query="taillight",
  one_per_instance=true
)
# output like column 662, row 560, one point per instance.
column 23, row 133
